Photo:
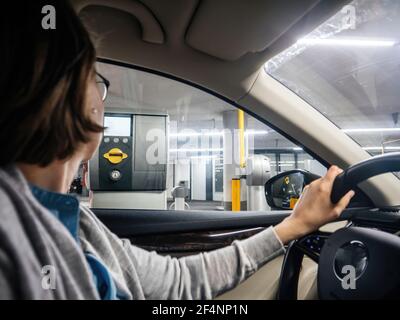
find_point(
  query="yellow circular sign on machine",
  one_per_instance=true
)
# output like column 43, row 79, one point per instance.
column 115, row 156
column 287, row 180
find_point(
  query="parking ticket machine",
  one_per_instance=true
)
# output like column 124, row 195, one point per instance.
column 129, row 168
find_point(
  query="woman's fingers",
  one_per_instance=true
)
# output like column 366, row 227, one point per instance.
column 344, row 202
column 331, row 175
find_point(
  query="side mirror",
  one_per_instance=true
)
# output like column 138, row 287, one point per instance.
column 283, row 190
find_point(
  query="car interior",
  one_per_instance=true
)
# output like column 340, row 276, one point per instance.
column 220, row 112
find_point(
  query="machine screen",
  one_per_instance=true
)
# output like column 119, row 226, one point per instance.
column 118, row 126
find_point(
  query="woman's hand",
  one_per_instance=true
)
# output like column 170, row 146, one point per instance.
column 314, row 208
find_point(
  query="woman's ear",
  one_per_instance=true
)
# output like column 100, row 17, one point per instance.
column 95, row 104
column 96, row 114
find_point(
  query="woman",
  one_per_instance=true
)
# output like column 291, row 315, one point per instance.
column 51, row 120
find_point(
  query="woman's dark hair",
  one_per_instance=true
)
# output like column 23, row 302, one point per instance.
column 44, row 78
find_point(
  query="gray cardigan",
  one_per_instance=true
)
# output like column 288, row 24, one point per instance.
column 32, row 238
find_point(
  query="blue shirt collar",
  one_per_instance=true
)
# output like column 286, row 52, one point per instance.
column 64, row 207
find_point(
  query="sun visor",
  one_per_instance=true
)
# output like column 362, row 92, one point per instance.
column 228, row 29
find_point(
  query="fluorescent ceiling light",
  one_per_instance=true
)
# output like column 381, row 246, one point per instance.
column 196, row 134
column 204, row 157
column 215, row 133
column 381, row 148
column 197, row 150
column 347, row 42
column 287, row 162
column 255, row 132
column 369, row 130
column 210, row 150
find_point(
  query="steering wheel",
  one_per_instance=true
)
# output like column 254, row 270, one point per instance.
column 353, row 262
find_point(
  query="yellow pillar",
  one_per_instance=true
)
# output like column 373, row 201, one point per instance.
column 235, row 194
column 241, row 138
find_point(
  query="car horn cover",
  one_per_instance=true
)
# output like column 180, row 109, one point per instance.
column 359, row 263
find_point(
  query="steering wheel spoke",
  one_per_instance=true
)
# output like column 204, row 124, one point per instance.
column 310, row 246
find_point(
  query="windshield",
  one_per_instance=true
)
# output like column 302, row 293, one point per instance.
column 349, row 69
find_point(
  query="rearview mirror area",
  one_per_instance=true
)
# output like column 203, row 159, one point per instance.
column 284, row 190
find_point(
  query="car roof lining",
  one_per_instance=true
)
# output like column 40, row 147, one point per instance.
column 131, row 36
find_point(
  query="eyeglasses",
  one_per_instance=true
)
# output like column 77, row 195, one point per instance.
column 102, row 84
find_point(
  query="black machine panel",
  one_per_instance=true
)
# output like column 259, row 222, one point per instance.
column 132, row 158
column 115, row 163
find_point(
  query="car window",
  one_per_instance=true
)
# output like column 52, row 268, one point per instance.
column 207, row 150
column 349, row 69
